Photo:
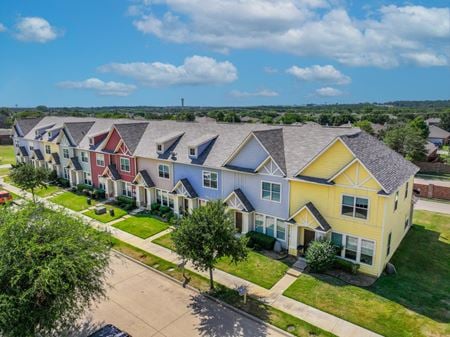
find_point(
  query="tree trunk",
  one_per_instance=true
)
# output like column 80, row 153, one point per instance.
column 211, row 280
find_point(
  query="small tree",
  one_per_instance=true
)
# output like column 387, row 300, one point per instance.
column 207, row 235
column 320, row 255
column 365, row 126
column 28, row 177
column 407, row 141
column 51, row 267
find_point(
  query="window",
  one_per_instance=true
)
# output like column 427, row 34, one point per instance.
column 351, row 248
column 87, row 178
column 163, row 171
column 126, row 189
column 270, row 226
column 367, row 252
column 31, row 148
column 271, row 191
column 210, row 179
column 124, row 164
column 84, row 157
column 281, row 230
column 336, row 240
column 396, row 201
column 66, row 173
column 47, row 149
column 164, row 198
column 66, row 153
column 100, row 159
column 355, row 207
column 259, row 223
column 192, row 152
column 389, row 244
column 91, row 141
column 159, row 148
column 406, row 189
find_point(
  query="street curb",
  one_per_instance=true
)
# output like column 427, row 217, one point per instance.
column 229, row 306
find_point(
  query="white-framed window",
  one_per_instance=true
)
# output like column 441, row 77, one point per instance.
column 101, row 183
column 164, row 198
column 48, row 150
column 355, row 207
column 91, row 141
column 66, row 173
column 163, row 171
column 84, row 157
column 16, row 143
column 271, row 191
column 396, row 201
column 66, row 153
column 192, row 152
column 100, row 159
column 388, row 250
column 31, row 147
column 87, row 178
column 210, row 179
column 125, row 164
column 353, row 248
column 127, row 189
column 159, row 148
column 271, row 226
column 406, row 189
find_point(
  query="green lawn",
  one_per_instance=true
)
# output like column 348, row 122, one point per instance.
column 7, row 155
column 45, row 192
column 4, row 171
column 143, row 226
column 73, row 201
column 118, row 213
column 258, row 268
column 415, row 302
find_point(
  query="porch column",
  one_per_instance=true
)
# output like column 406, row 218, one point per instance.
column 116, row 185
column 293, row 237
column 150, row 198
column 176, row 204
column 107, row 184
column 245, row 222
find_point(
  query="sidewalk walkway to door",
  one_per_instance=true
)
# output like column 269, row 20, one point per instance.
column 272, row 296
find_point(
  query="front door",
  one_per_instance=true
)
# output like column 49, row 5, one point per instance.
column 308, row 237
column 238, row 221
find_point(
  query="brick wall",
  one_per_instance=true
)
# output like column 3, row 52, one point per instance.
column 433, row 191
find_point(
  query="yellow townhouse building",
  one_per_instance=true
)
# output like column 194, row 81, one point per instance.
column 358, row 193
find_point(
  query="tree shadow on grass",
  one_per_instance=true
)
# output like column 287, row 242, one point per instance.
column 216, row 320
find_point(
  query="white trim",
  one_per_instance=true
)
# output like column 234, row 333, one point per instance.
column 338, row 173
column 272, row 183
column 120, row 164
column 358, row 249
column 317, row 156
column 217, row 179
column 238, row 149
column 354, row 206
column 286, row 230
column 96, row 159
column 168, row 171
column 273, row 172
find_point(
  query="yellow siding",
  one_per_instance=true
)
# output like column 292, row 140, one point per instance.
column 329, row 162
column 53, row 148
column 305, row 218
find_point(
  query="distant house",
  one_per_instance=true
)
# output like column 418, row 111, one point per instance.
column 438, row 136
column 433, row 121
column 377, row 128
column 5, row 136
column 431, row 151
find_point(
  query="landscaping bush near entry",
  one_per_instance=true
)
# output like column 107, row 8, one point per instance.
column 260, row 241
column 348, row 266
column 161, row 211
column 126, row 203
column 320, row 255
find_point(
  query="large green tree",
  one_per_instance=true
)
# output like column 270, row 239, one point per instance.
column 445, row 120
column 365, row 126
column 406, row 140
column 419, row 124
column 207, row 235
column 28, row 177
column 51, row 268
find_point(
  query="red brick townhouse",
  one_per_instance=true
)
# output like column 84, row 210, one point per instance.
column 113, row 164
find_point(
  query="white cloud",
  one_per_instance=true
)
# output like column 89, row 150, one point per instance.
column 327, row 73
column 302, row 27
column 35, row 29
column 195, row 70
column 426, row 59
column 2, row 27
column 102, row 88
column 259, row 93
column 328, row 92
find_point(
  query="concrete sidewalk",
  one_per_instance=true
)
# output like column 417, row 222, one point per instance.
column 433, row 206
column 273, row 296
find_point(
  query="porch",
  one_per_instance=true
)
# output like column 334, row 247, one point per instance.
column 241, row 210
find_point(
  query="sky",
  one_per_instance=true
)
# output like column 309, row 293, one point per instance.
column 222, row 52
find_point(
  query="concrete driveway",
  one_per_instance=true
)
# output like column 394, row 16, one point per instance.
column 144, row 304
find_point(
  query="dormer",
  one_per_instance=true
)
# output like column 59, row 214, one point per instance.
column 164, row 143
column 51, row 134
column 197, row 146
column 41, row 131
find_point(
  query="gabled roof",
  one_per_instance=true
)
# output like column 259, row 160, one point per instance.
column 78, row 130
column 437, row 132
column 113, row 173
column 315, row 180
column 273, row 142
column 324, row 226
column 56, row 159
column 38, row 154
column 131, row 134
column 26, row 124
column 145, row 177
column 388, row 167
column 23, row 151
column 248, row 207
column 187, row 186
column 202, row 140
column 76, row 164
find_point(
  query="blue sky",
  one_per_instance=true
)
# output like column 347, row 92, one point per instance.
column 222, row 52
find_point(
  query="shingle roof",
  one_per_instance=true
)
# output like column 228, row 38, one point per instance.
column 131, row 134
column 273, row 142
column 27, row 124
column 188, row 186
column 114, row 173
column 323, row 224
column 315, row 180
column 76, row 164
column 437, row 132
column 247, row 204
column 146, row 177
column 38, row 154
column 388, row 167
column 78, row 130
column 24, row 151
column 56, row 159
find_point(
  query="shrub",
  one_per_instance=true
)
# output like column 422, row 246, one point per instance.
column 84, row 188
column 65, row 183
column 320, row 255
column 260, row 241
column 126, row 203
column 154, row 208
column 53, row 177
column 98, row 193
column 347, row 266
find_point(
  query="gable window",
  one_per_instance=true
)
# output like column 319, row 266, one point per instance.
column 163, row 171
column 192, row 152
column 84, row 157
column 271, row 191
column 100, row 159
column 406, row 189
column 66, row 153
column 124, row 164
column 389, row 244
column 396, row 201
column 210, row 179
column 355, row 207
column 87, row 178
column 47, row 149
column 31, row 148
column 159, row 148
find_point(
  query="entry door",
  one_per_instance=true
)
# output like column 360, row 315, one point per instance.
column 186, row 205
column 308, row 237
column 238, row 221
